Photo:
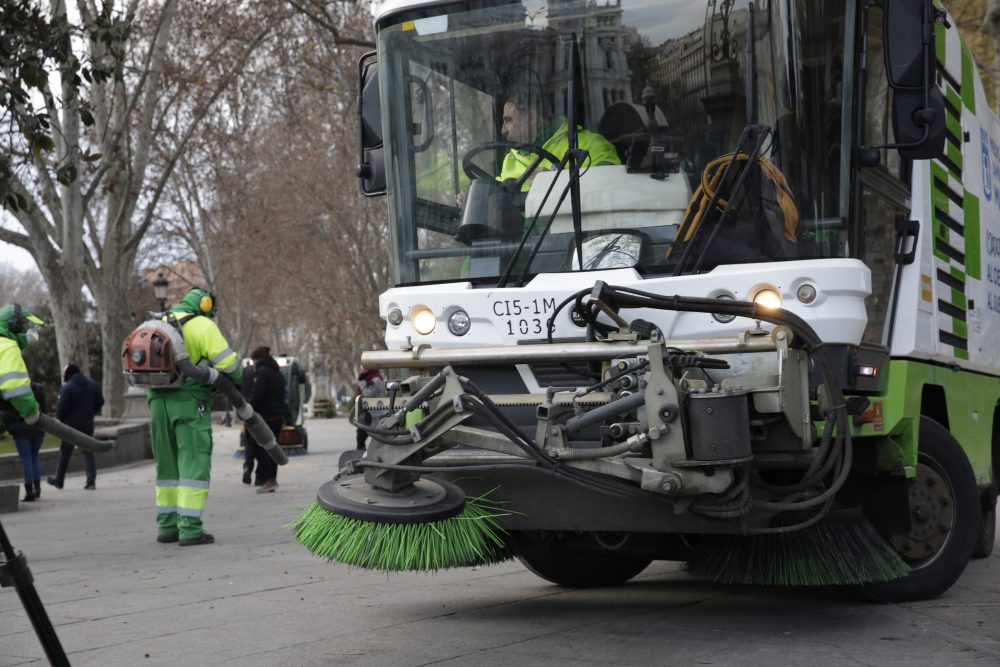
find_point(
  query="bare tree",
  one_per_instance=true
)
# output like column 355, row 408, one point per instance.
column 87, row 231
column 268, row 200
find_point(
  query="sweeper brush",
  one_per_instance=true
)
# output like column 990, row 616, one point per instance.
column 429, row 525
column 843, row 549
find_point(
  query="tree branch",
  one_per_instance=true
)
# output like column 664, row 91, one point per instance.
column 133, row 242
column 321, row 18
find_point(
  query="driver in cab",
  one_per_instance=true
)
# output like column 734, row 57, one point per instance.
column 522, row 125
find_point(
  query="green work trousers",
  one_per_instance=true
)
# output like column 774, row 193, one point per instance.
column 182, row 446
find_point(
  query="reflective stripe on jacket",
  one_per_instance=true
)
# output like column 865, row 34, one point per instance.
column 15, row 385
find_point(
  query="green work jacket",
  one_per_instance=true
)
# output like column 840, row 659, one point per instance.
column 204, row 340
column 15, row 385
column 601, row 152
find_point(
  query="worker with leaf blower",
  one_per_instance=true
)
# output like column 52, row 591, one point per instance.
column 15, row 386
column 182, row 424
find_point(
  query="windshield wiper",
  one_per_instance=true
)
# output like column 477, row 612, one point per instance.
column 574, row 159
column 753, row 132
column 531, row 226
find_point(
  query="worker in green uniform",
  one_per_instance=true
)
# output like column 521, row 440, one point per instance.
column 15, row 386
column 522, row 125
column 182, row 424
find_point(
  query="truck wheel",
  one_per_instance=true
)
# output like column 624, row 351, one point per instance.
column 554, row 558
column 945, row 517
column 987, row 526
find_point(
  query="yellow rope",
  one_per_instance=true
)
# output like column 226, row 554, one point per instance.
column 710, row 178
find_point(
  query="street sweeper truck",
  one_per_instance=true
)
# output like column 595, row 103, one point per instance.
column 709, row 281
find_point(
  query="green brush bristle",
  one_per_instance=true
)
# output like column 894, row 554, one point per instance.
column 842, row 551
column 473, row 537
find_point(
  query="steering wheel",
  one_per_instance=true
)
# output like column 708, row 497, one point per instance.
column 474, row 171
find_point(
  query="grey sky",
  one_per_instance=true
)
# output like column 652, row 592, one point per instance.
column 660, row 20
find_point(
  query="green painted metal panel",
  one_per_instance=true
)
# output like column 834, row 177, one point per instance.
column 970, row 401
column 968, row 80
column 973, row 258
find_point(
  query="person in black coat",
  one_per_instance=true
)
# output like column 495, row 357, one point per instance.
column 267, row 397
column 245, row 440
column 79, row 400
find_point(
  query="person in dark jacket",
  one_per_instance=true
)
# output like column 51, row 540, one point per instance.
column 79, row 400
column 370, row 384
column 245, row 439
column 28, row 441
column 267, row 397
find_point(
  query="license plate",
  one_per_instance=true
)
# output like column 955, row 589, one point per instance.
column 524, row 317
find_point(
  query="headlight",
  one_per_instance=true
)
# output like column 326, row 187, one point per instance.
column 423, row 320
column 806, row 293
column 722, row 317
column 459, row 323
column 767, row 297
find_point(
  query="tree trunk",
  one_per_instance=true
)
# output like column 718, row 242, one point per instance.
column 115, row 324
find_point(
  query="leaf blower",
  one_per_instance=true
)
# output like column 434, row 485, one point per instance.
column 154, row 356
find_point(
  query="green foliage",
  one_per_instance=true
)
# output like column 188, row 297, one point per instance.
column 33, row 46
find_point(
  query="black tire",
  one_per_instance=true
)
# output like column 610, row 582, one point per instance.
column 946, row 515
column 556, row 558
column 987, row 525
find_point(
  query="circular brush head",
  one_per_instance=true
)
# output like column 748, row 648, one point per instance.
column 429, row 525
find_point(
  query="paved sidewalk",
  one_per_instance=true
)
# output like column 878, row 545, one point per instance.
column 117, row 598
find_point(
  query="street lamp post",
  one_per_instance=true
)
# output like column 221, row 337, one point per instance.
column 160, row 290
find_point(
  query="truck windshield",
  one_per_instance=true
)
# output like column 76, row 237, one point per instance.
column 476, row 97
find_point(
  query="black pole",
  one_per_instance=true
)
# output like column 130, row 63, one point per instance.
column 573, row 145
column 15, row 572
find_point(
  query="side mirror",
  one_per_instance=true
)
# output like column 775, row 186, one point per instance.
column 371, row 163
column 918, row 115
column 905, row 24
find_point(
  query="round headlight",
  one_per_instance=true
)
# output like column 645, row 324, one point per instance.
column 806, row 293
column 459, row 323
column 423, row 320
column 395, row 317
column 721, row 317
column 767, row 298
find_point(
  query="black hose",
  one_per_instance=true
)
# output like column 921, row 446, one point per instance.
column 826, row 460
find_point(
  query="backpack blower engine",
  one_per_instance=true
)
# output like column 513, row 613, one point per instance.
column 154, row 356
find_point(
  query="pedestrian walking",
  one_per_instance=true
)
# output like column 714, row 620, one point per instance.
column 79, row 400
column 267, row 397
column 249, row 455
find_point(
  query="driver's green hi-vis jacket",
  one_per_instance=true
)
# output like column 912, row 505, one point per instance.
column 601, row 152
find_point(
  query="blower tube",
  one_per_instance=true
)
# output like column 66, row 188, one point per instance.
column 205, row 374
column 69, row 434
column 53, row 426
